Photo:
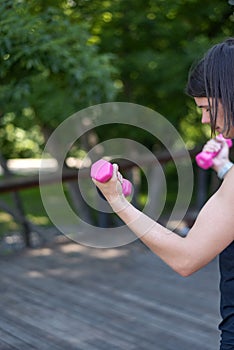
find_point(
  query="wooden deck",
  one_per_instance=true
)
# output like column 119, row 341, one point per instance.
column 69, row 297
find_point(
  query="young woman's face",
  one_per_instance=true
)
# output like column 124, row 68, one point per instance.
column 202, row 102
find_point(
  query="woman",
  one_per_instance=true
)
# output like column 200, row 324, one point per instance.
column 211, row 83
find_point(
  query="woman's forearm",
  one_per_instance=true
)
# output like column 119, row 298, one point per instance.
column 209, row 235
column 166, row 244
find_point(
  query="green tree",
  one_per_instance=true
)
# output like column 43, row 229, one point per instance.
column 60, row 57
column 49, row 69
column 156, row 41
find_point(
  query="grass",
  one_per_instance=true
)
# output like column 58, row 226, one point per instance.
column 33, row 209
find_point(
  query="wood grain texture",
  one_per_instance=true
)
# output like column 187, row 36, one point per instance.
column 67, row 296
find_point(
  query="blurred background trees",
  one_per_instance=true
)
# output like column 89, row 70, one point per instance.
column 59, row 57
column 49, row 70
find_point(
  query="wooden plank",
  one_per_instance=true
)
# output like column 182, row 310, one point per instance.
column 10, row 342
column 63, row 322
column 74, row 297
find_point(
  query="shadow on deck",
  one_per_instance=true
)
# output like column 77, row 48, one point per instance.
column 69, row 297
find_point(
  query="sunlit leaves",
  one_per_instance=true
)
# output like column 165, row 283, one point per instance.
column 48, row 63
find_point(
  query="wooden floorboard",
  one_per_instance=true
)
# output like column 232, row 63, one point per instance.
column 67, row 296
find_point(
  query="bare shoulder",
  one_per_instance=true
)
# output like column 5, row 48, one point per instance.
column 226, row 190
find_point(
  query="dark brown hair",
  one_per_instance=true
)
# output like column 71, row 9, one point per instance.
column 213, row 77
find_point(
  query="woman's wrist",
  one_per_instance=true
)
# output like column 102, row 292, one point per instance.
column 220, row 164
column 118, row 203
column 222, row 171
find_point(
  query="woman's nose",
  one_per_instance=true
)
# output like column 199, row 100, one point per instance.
column 205, row 117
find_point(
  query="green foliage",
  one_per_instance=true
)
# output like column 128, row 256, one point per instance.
column 48, row 65
column 59, row 57
column 20, row 142
column 33, row 209
column 156, row 42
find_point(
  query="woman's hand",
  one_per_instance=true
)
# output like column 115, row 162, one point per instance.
column 111, row 189
column 218, row 144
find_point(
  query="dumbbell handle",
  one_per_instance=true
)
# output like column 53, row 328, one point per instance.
column 102, row 171
column 205, row 159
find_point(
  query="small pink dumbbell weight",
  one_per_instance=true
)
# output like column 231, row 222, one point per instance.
column 102, row 171
column 205, row 159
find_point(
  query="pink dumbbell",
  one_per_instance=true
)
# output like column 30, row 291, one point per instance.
column 102, row 171
column 205, row 159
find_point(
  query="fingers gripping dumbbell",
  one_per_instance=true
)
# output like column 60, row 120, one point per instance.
column 102, row 171
column 205, row 159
